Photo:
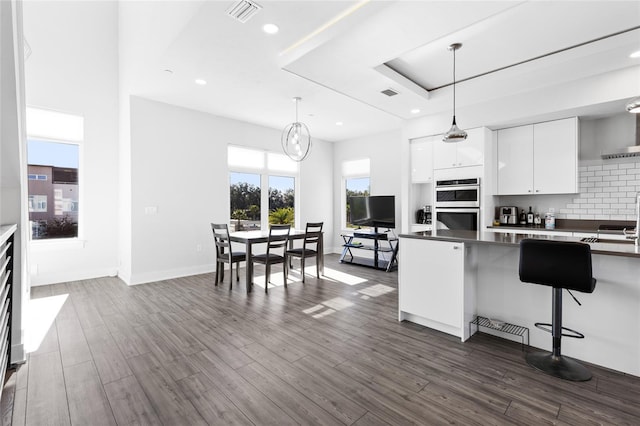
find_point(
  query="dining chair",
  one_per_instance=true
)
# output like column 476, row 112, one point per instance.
column 276, row 242
column 225, row 253
column 310, row 247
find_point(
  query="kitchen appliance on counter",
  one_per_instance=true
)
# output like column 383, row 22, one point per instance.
column 458, row 204
column 423, row 216
column 508, row 215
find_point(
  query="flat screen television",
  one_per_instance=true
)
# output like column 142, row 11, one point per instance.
column 378, row 211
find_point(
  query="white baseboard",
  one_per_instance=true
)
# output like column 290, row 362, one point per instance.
column 71, row 275
column 148, row 277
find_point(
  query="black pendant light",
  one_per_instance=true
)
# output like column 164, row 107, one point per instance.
column 455, row 134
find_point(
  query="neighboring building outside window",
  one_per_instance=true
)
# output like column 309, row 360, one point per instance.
column 37, row 203
column 53, row 160
column 261, row 188
column 355, row 175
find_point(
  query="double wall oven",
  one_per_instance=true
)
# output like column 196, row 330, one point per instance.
column 457, row 204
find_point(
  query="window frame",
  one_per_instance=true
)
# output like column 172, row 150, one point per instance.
column 346, row 175
column 77, row 140
column 264, row 173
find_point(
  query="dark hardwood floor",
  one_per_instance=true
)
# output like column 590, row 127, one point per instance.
column 327, row 352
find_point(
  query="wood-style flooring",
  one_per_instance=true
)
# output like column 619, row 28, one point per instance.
column 327, row 352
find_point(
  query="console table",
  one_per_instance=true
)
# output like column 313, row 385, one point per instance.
column 382, row 247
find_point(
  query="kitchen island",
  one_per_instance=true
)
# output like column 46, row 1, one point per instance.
column 448, row 278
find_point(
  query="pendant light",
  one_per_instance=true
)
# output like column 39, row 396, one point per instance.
column 455, row 134
column 634, row 106
column 296, row 139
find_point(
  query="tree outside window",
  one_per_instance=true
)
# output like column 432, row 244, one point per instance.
column 355, row 187
column 245, row 197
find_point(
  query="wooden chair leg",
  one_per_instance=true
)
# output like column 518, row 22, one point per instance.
column 267, row 271
column 284, row 272
column 237, row 271
column 230, row 275
column 217, row 272
column 318, row 265
column 302, row 268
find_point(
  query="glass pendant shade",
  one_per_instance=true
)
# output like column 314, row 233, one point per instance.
column 454, row 134
column 634, row 106
column 296, row 139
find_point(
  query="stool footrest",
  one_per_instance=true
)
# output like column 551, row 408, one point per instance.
column 574, row 334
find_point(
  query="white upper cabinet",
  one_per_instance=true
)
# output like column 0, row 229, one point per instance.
column 422, row 159
column 515, row 160
column 540, row 158
column 555, row 157
column 469, row 152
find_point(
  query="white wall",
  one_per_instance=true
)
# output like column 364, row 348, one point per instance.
column 384, row 152
column 74, row 69
column 13, row 195
column 179, row 166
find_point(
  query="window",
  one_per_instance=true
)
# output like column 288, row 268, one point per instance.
column 281, row 199
column 38, row 177
column 262, row 188
column 37, row 203
column 53, row 159
column 245, row 200
column 355, row 175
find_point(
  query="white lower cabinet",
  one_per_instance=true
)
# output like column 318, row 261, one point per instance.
column 434, row 288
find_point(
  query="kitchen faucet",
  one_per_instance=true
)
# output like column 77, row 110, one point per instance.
column 636, row 234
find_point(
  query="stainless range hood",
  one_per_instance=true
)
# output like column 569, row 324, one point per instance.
column 630, row 151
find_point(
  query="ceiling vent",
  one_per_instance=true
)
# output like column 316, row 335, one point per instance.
column 389, row 92
column 243, row 10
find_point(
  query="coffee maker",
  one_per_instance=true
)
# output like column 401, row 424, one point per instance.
column 423, row 215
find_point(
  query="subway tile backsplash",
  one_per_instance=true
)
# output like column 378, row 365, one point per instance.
column 607, row 192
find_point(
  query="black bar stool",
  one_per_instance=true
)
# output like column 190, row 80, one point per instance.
column 561, row 265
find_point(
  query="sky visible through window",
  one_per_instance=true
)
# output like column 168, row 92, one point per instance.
column 55, row 154
column 358, row 184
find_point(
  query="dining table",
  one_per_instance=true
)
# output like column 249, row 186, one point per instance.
column 249, row 238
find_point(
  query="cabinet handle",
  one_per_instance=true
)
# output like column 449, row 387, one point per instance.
column 456, row 247
column 529, row 190
column 537, row 190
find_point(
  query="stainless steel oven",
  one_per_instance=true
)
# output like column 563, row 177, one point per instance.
column 465, row 219
column 458, row 193
column 458, row 204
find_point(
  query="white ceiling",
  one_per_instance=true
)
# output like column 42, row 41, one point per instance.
column 339, row 69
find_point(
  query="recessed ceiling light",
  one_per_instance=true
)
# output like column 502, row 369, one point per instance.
column 635, row 54
column 415, row 111
column 201, row 81
column 270, row 28
column 339, row 123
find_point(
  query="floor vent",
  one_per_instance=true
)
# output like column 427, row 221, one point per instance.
column 389, row 92
column 243, row 10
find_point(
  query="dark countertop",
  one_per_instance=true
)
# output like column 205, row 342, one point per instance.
column 622, row 248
